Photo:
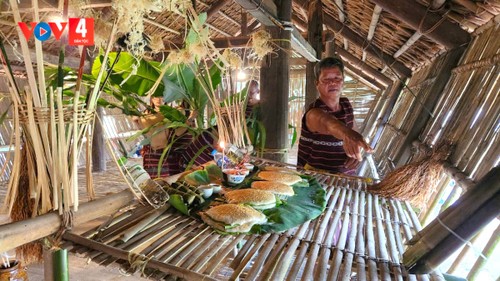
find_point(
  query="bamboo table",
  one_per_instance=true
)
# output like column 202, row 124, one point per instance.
column 359, row 236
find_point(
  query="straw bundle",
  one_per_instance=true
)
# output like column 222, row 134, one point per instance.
column 414, row 182
column 50, row 127
column 30, row 252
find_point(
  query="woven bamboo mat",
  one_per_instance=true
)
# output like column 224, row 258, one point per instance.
column 358, row 237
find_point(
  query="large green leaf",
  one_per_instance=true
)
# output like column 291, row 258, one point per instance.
column 123, row 75
column 307, row 204
column 177, row 202
column 198, row 177
column 172, row 114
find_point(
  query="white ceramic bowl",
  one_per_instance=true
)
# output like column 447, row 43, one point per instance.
column 216, row 187
column 207, row 190
column 233, row 176
column 249, row 166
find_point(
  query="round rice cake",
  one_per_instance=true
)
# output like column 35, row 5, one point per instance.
column 286, row 178
column 275, row 187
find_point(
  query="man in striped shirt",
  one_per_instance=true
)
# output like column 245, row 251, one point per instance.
column 328, row 138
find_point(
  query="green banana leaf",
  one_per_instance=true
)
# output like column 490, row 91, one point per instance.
column 178, row 203
column 307, row 204
column 214, row 172
column 197, row 177
column 140, row 81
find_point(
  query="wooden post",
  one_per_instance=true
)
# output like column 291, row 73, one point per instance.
column 98, row 143
column 452, row 228
column 15, row 234
column 274, row 77
column 314, row 37
column 48, row 263
column 436, row 91
column 244, row 23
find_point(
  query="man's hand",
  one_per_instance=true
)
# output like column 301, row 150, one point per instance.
column 351, row 163
column 353, row 143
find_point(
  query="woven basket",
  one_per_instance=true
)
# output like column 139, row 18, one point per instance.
column 42, row 114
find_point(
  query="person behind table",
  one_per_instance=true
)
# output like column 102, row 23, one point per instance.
column 328, row 138
column 253, row 98
column 159, row 138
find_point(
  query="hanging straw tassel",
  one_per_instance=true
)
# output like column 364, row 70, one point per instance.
column 22, row 210
column 414, row 182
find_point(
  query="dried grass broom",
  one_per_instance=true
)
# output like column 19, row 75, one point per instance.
column 415, row 182
column 30, row 252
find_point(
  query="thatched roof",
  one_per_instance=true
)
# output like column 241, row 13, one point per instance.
column 386, row 35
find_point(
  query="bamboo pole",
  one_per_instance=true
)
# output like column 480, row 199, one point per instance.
column 256, row 247
column 393, row 248
column 370, row 240
column 399, row 222
column 221, row 242
column 300, row 257
column 165, row 236
column 221, row 255
column 326, row 251
column 487, row 252
column 277, row 254
column 179, row 249
column 198, row 249
column 465, row 217
column 465, row 251
column 121, row 254
column 351, row 242
column 261, row 258
column 339, row 249
column 286, row 257
column 445, row 181
column 360, row 240
column 318, row 238
column 136, row 243
column 131, row 232
column 14, row 234
column 381, row 242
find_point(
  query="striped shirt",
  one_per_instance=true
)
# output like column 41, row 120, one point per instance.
column 198, row 152
column 325, row 152
column 151, row 162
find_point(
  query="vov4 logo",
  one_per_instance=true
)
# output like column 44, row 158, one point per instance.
column 80, row 30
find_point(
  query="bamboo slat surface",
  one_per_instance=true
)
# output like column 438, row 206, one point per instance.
column 359, row 236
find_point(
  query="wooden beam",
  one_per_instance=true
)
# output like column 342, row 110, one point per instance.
column 244, row 23
column 355, row 72
column 315, row 37
column 340, row 8
column 407, row 44
column 70, row 61
column 215, row 8
column 146, row 20
column 373, row 25
column 301, row 46
column 275, row 78
column 412, row 13
column 361, row 42
column 16, row 234
column 371, row 49
column 165, row 267
column 50, row 6
column 265, row 12
column 364, row 67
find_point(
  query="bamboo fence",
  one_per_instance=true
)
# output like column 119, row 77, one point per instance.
column 468, row 111
column 358, row 234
